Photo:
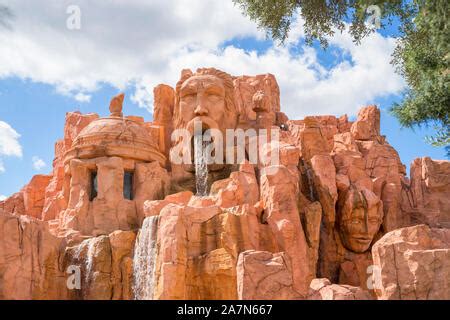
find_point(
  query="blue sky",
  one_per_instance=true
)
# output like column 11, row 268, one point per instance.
column 46, row 71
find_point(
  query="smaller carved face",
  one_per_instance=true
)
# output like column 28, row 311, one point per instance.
column 360, row 219
column 202, row 96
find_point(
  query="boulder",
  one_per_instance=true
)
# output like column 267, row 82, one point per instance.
column 263, row 275
column 323, row 289
column 413, row 263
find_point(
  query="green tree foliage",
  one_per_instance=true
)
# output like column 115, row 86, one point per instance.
column 421, row 56
column 321, row 17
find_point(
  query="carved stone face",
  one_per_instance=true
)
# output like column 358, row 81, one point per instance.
column 203, row 96
column 206, row 96
column 361, row 216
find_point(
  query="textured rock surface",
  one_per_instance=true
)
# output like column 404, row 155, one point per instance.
column 413, row 264
column 29, row 259
column 331, row 213
column 426, row 198
column 105, row 263
column 323, row 289
column 265, row 275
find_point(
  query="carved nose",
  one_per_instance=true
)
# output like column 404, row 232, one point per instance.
column 366, row 226
column 200, row 110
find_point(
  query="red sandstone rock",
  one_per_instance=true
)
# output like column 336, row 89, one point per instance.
column 30, row 200
column 55, row 199
column 413, row 264
column 153, row 207
column 34, row 195
column 427, row 197
column 29, row 260
column 265, row 275
column 322, row 289
column 278, row 195
column 265, row 230
column 368, row 124
column 245, row 89
column 105, row 263
column 164, row 100
column 14, row 204
column 75, row 123
column 122, row 243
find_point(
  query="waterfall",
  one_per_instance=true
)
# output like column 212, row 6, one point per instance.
column 144, row 259
column 83, row 257
column 201, row 165
column 90, row 259
column 87, row 246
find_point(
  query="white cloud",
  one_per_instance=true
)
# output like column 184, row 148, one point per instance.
column 9, row 143
column 81, row 97
column 141, row 43
column 38, row 163
column 2, row 197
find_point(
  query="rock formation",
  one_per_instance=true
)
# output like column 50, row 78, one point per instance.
column 324, row 212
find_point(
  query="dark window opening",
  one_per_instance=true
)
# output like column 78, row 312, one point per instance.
column 128, row 185
column 93, row 191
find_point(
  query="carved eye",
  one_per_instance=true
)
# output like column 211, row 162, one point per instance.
column 355, row 221
column 188, row 96
column 213, row 97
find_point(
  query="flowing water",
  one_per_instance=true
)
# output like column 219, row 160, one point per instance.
column 90, row 259
column 83, row 258
column 201, row 165
column 144, row 259
column 87, row 246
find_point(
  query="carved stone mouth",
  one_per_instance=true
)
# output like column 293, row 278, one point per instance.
column 361, row 239
column 207, row 123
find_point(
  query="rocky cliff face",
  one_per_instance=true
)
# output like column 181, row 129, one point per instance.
column 335, row 217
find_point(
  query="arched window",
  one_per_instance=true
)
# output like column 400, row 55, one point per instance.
column 128, row 185
column 93, row 185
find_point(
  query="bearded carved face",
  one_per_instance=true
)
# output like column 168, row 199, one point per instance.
column 361, row 215
column 206, row 97
column 203, row 96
